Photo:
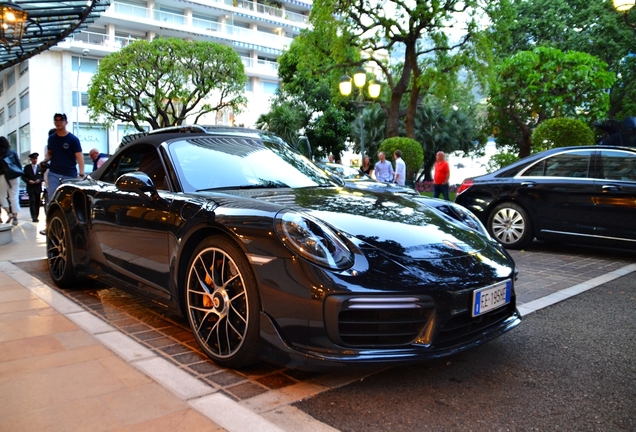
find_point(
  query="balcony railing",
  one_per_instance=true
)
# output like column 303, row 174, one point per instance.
column 249, row 62
column 101, row 39
column 248, row 35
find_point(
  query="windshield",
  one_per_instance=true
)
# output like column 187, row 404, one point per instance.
column 241, row 163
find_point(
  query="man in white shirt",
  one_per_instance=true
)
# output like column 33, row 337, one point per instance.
column 400, row 168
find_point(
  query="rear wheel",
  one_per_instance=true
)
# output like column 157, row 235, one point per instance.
column 510, row 225
column 223, row 304
column 59, row 251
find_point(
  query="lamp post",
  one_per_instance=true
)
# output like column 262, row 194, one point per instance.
column 359, row 80
column 624, row 6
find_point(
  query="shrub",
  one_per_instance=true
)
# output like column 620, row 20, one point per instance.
column 412, row 153
column 561, row 132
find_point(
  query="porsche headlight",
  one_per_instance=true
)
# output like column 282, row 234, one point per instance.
column 313, row 240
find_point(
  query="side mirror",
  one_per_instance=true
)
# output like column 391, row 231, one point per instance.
column 137, row 182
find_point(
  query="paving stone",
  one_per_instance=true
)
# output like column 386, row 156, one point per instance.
column 224, row 378
column 276, row 381
column 245, row 390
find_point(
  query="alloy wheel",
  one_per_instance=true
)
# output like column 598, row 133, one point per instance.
column 217, row 303
column 508, row 225
column 56, row 248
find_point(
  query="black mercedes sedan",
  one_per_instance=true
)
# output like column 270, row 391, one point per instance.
column 268, row 258
column 584, row 195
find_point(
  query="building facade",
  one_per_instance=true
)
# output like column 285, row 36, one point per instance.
column 57, row 80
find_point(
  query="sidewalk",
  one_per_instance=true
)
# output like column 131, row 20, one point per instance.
column 54, row 376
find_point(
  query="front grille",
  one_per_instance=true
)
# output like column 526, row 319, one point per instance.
column 377, row 321
column 463, row 327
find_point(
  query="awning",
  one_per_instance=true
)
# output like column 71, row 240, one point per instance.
column 48, row 23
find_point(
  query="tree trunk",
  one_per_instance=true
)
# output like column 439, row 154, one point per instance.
column 393, row 114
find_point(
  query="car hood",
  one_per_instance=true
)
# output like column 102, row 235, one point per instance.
column 396, row 225
column 376, row 186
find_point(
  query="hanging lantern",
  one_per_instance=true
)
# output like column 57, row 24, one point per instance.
column 12, row 23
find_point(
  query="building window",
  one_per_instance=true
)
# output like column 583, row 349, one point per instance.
column 12, row 109
column 24, row 66
column 24, row 100
column 270, row 87
column 25, row 141
column 1, row 117
column 88, row 65
column 1, row 86
column 13, row 140
column 84, row 99
column 11, row 79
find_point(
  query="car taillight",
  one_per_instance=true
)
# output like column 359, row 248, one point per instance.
column 465, row 185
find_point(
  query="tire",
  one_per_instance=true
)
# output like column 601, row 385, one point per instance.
column 510, row 225
column 59, row 251
column 223, row 304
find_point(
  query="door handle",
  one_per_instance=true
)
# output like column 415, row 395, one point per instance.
column 98, row 210
column 611, row 188
column 528, row 184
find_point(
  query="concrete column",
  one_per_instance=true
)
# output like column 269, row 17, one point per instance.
column 110, row 31
column 151, row 7
column 187, row 12
column 150, row 36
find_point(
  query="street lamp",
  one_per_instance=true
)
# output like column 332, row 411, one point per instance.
column 359, row 80
column 624, row 6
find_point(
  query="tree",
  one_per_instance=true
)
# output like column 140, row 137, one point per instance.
column 283, row 120
column 561, row 132
column 593, row 27
column 533, row 86
column 165, row 81
column 419, row 30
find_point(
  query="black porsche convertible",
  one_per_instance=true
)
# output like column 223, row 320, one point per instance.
column 269, row 258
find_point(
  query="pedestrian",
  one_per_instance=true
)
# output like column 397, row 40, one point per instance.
column 332, row 159
column 400, row 168
column 367, row 166
column 64, row 152
column 441, row 177
column 10, row 172
column 98, row 158
column 383, row 169
column 33, row 177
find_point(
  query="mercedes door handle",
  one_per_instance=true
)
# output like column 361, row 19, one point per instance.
column 528, row 184
column 611, row 188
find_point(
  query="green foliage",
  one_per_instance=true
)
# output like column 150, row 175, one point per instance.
column 283, row 120
column 593, row 27
column 166, row 81
column 501, row 159
column 326, row 132
column 536, row 85
column 412, row 153
column 561, row 132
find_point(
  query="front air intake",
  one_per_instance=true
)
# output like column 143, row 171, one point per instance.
column 374, row 322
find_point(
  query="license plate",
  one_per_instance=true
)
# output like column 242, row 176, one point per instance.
column 492, row 297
